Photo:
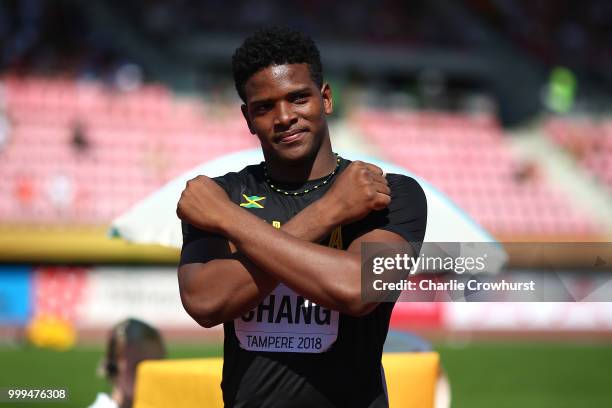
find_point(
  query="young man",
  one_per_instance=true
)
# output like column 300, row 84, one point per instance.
column 288, row 289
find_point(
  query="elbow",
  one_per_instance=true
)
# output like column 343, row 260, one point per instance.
column 353, row 304
column 350, row 296
column 204, row 313
column 364, row 309
column 358, row 308
column 203, row 304
column 205, row 317
column 207, row 321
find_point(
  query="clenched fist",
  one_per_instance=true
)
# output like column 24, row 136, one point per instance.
column 357, row 191
column 203, row 204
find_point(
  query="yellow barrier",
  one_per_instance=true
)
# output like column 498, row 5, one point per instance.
column 411, row 378
column 411, row 381
column 76, row 245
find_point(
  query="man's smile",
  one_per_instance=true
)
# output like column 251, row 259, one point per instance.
column 291, row 136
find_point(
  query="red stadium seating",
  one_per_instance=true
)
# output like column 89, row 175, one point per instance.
column 590, row 143
column 135, row 142
column 468, row 159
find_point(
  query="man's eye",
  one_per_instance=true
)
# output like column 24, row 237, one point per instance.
column 262, row 108
column 300, row 99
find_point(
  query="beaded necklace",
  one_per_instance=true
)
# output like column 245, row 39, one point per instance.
column 306, row 191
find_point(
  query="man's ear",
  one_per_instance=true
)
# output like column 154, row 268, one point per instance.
column 328, row 101
column 245, row 113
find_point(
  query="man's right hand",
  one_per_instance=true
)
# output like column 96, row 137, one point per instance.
column 358, row 190
column 203, row 204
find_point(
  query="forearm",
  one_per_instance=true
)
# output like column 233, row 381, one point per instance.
column 224, row 289
column 327, row 276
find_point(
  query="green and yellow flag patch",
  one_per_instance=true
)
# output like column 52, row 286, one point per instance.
column 252, row 201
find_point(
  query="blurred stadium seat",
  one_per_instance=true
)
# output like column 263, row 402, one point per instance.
column 588, row 142
column 468, row 158
column 133, row 143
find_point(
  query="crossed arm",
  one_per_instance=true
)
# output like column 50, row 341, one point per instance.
column 227, row 287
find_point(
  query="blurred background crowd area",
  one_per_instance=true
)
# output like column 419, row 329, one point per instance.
column 66, row 36
column 502, row 105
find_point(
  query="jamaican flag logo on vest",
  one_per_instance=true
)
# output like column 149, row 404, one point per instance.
column 252, row 201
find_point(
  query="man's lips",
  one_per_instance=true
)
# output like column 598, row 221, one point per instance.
column 291, row 136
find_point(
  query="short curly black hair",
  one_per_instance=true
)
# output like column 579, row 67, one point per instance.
column 275, row 46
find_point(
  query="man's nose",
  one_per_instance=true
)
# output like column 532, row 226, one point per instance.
column 285, row 116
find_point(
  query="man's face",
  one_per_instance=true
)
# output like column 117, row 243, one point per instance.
column 286, row 109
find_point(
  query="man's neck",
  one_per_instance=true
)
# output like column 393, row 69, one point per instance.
column 323, row 163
